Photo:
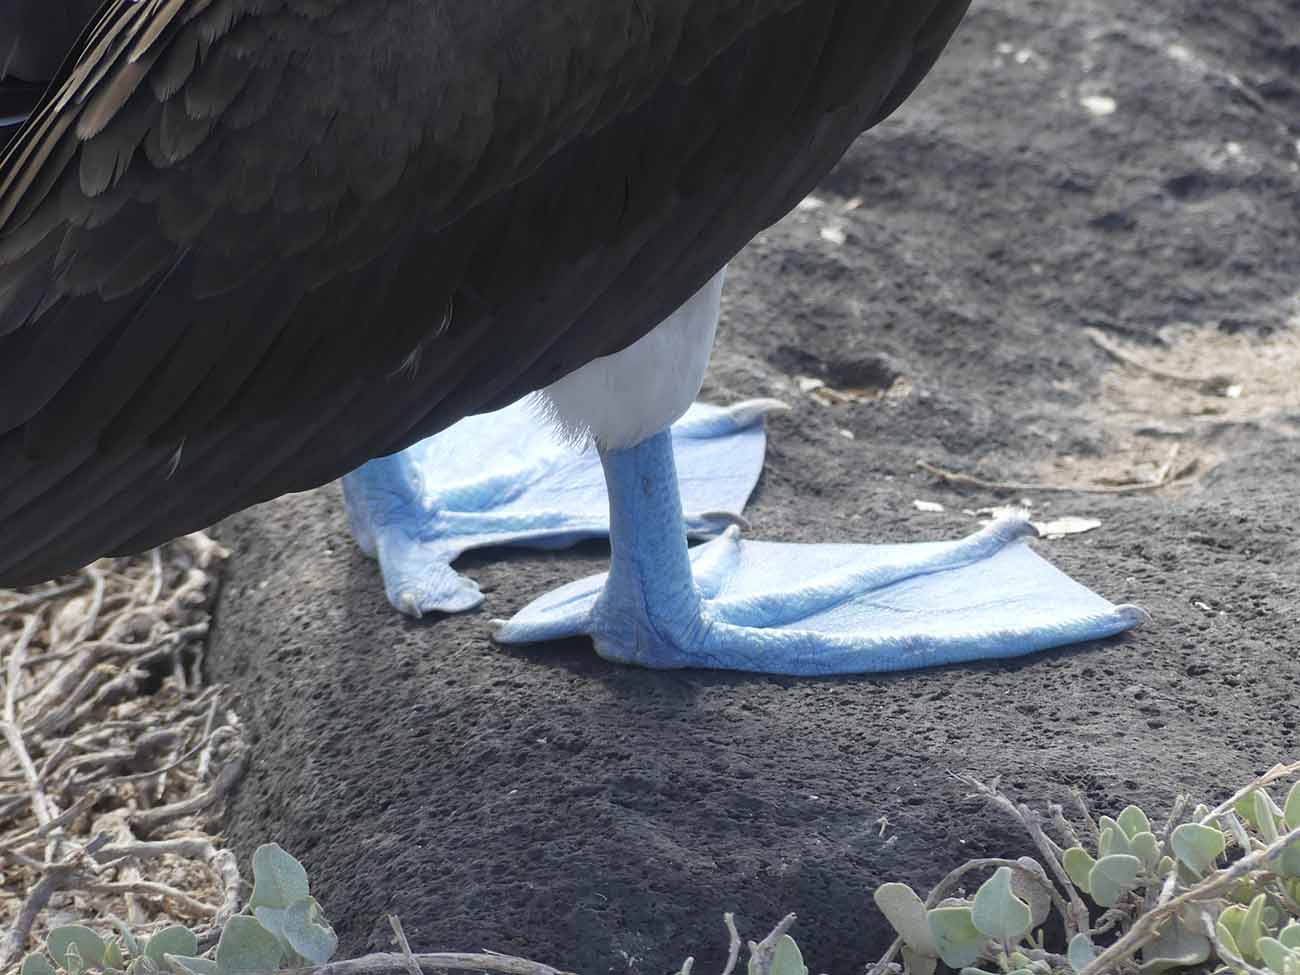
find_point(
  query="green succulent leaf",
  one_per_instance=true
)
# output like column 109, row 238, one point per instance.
column 311, row 936
column 89, row 946
column 1229, row 924
column 1290, row 935
column 915, row 963
column 1252, row 928
column 1226, row 939
column 906, row 912
column 1078, row 864
column 183, row 965
column 272, row 918
column 1026, row 885
column 1112, row 876
column 999, row 913
column 1266, row 821
column 1081, row 951
column 1177, row 946
column 174, row 940
column 1276, row 955
column 1291, row 808
column 246, row 946
column 36, row 964
column 1113, row 839
column 1147, row 849
column 278, row 879
column 1288, row 864
column 955, row 935
column 114, row 958
column 1197, row 846
column 787, row 959
column 1133, row 821
column 1248, row 805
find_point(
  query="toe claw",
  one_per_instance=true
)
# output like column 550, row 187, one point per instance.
column 408, row 604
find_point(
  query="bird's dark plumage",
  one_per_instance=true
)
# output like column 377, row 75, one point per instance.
column 246, row 245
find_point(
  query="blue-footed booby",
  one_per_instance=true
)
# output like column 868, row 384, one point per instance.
column 250, row 246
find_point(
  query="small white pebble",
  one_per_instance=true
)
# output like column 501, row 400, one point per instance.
column 834, row 233
column 1234, row 149
column 1005, row 48
column 1179, row 53
column 847, row 434
column 808, row 384
column 1024, row 56
column 1099, row 105
column 810, row 203
column 1234, row 392
column 920, row 505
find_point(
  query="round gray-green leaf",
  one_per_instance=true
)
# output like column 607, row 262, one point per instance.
column 1027, row 885
column 915, row 963
column 192, row 966
column 311, row 936
column 1176, row 946
column 1290, row 935
column 36, row 964
column 272, row 918
column 1291, row 808
column 787, row 959
column 1252, row 928
column 90, row 946
column 246, row 946
column 1078, row 864
column 1147, row 849
column 278, row 879
column 906, row 912
column 1081, row 951
column 999, row 913
column 1134, row 821
column 958, row 940
column 1112, row 876
column 1197, row 846
column 1276, row 955
column 174, row 940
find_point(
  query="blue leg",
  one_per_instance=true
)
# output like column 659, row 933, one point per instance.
column 502, row 479
column 806, row 609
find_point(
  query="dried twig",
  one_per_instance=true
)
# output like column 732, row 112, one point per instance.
column 72, row 713
column 762, row 953
column 388, row 963
column 1216, row 385
column 412, row 966
column 1166, row 477
column 733, row 951
column 150, row 819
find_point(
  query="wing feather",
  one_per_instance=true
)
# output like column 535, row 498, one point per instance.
column 232, row 225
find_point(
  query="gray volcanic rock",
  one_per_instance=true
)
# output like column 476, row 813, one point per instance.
column 1125, row 168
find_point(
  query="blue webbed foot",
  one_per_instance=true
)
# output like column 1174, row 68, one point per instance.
column 503, row 479
column 808, row 609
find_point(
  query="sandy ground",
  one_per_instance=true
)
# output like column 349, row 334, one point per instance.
column 1076, row 185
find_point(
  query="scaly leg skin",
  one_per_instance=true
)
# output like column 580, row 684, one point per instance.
column 504, row 479
column 806, row 609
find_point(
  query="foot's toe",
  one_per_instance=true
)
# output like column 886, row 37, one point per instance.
column 822, row 609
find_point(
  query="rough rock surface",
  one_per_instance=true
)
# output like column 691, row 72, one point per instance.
column 1130, row 168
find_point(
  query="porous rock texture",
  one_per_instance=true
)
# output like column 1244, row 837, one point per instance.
column 1072, row 177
